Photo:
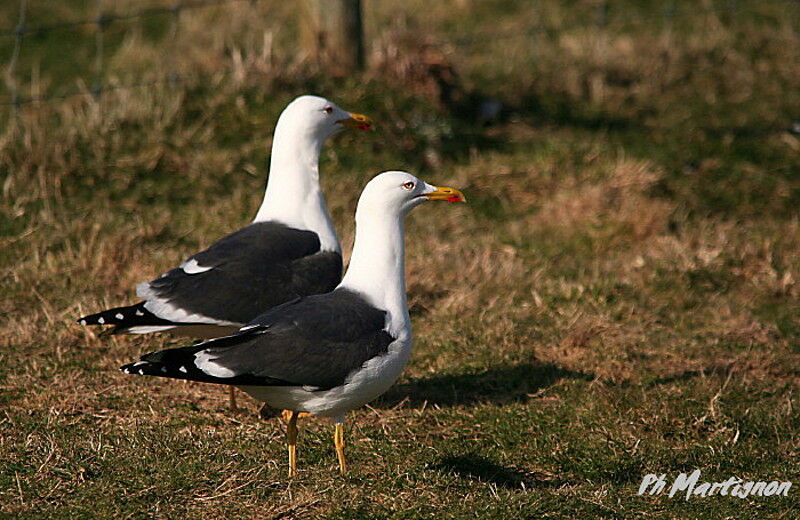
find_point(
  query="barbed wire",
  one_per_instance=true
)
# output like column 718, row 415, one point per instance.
column 104, row 19
column 172, row 78
column 601, row 17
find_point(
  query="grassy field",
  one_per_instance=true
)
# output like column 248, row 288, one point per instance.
column 618, row 298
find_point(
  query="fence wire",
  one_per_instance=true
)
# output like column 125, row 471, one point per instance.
column 106, row 18
column 601, row 18
column 103, row 19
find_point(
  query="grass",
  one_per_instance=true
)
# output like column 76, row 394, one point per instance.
column 619, row 298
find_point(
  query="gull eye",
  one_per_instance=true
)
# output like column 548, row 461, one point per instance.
column 328, row 110
column 408, row 185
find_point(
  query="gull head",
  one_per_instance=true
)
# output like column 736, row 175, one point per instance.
column 398, row 192
column 318, row 118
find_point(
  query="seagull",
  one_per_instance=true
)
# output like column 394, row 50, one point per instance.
column 325, row 354
column 290, row 250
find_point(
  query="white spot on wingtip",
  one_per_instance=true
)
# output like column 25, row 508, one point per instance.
column 183, row 369
column 119, row 316
column 163, row 370
column 101, row 320
column 139, row 313
column 82, row 322
column 141, row 372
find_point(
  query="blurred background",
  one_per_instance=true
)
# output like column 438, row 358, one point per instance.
column 702, row 87
column 619, row 296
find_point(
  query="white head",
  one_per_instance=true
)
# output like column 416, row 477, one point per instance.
column 396, row 193
column 317, row 119
column 293, row 195
column 377, row 264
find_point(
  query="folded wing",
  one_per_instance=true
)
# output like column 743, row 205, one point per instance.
column 316, row 341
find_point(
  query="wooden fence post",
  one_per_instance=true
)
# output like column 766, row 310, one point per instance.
column 338, row 35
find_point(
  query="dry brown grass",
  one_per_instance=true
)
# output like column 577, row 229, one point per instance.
column 586, row 319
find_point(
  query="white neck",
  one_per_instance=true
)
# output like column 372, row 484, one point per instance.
column 377, row 265
column 293, row 196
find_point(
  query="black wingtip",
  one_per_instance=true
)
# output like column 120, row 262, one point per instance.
column 142, row 368
column 130, row 368
column 99, row 318
column 124, row 318
column 172, row 363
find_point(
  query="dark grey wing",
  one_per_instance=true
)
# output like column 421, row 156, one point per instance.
column 315, row 274
column 254, row 269
column 315, row 341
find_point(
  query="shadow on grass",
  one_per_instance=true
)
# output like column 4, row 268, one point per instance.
column 500, row 384
column 563, row 112
column 686, row 375
column 477, row 467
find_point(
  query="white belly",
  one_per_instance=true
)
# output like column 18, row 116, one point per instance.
column 361, row 387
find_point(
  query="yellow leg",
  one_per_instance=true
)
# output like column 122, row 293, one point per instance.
column 233, row 398
column 338, row 441
column 291, row 438
column 287, row 415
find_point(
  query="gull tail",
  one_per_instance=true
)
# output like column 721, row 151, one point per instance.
column 183, row 363
column 133, row 319
column 175, row 363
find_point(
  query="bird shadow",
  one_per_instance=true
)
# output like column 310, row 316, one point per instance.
column 715, row 369
column 500, row 384
column 479, row 468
